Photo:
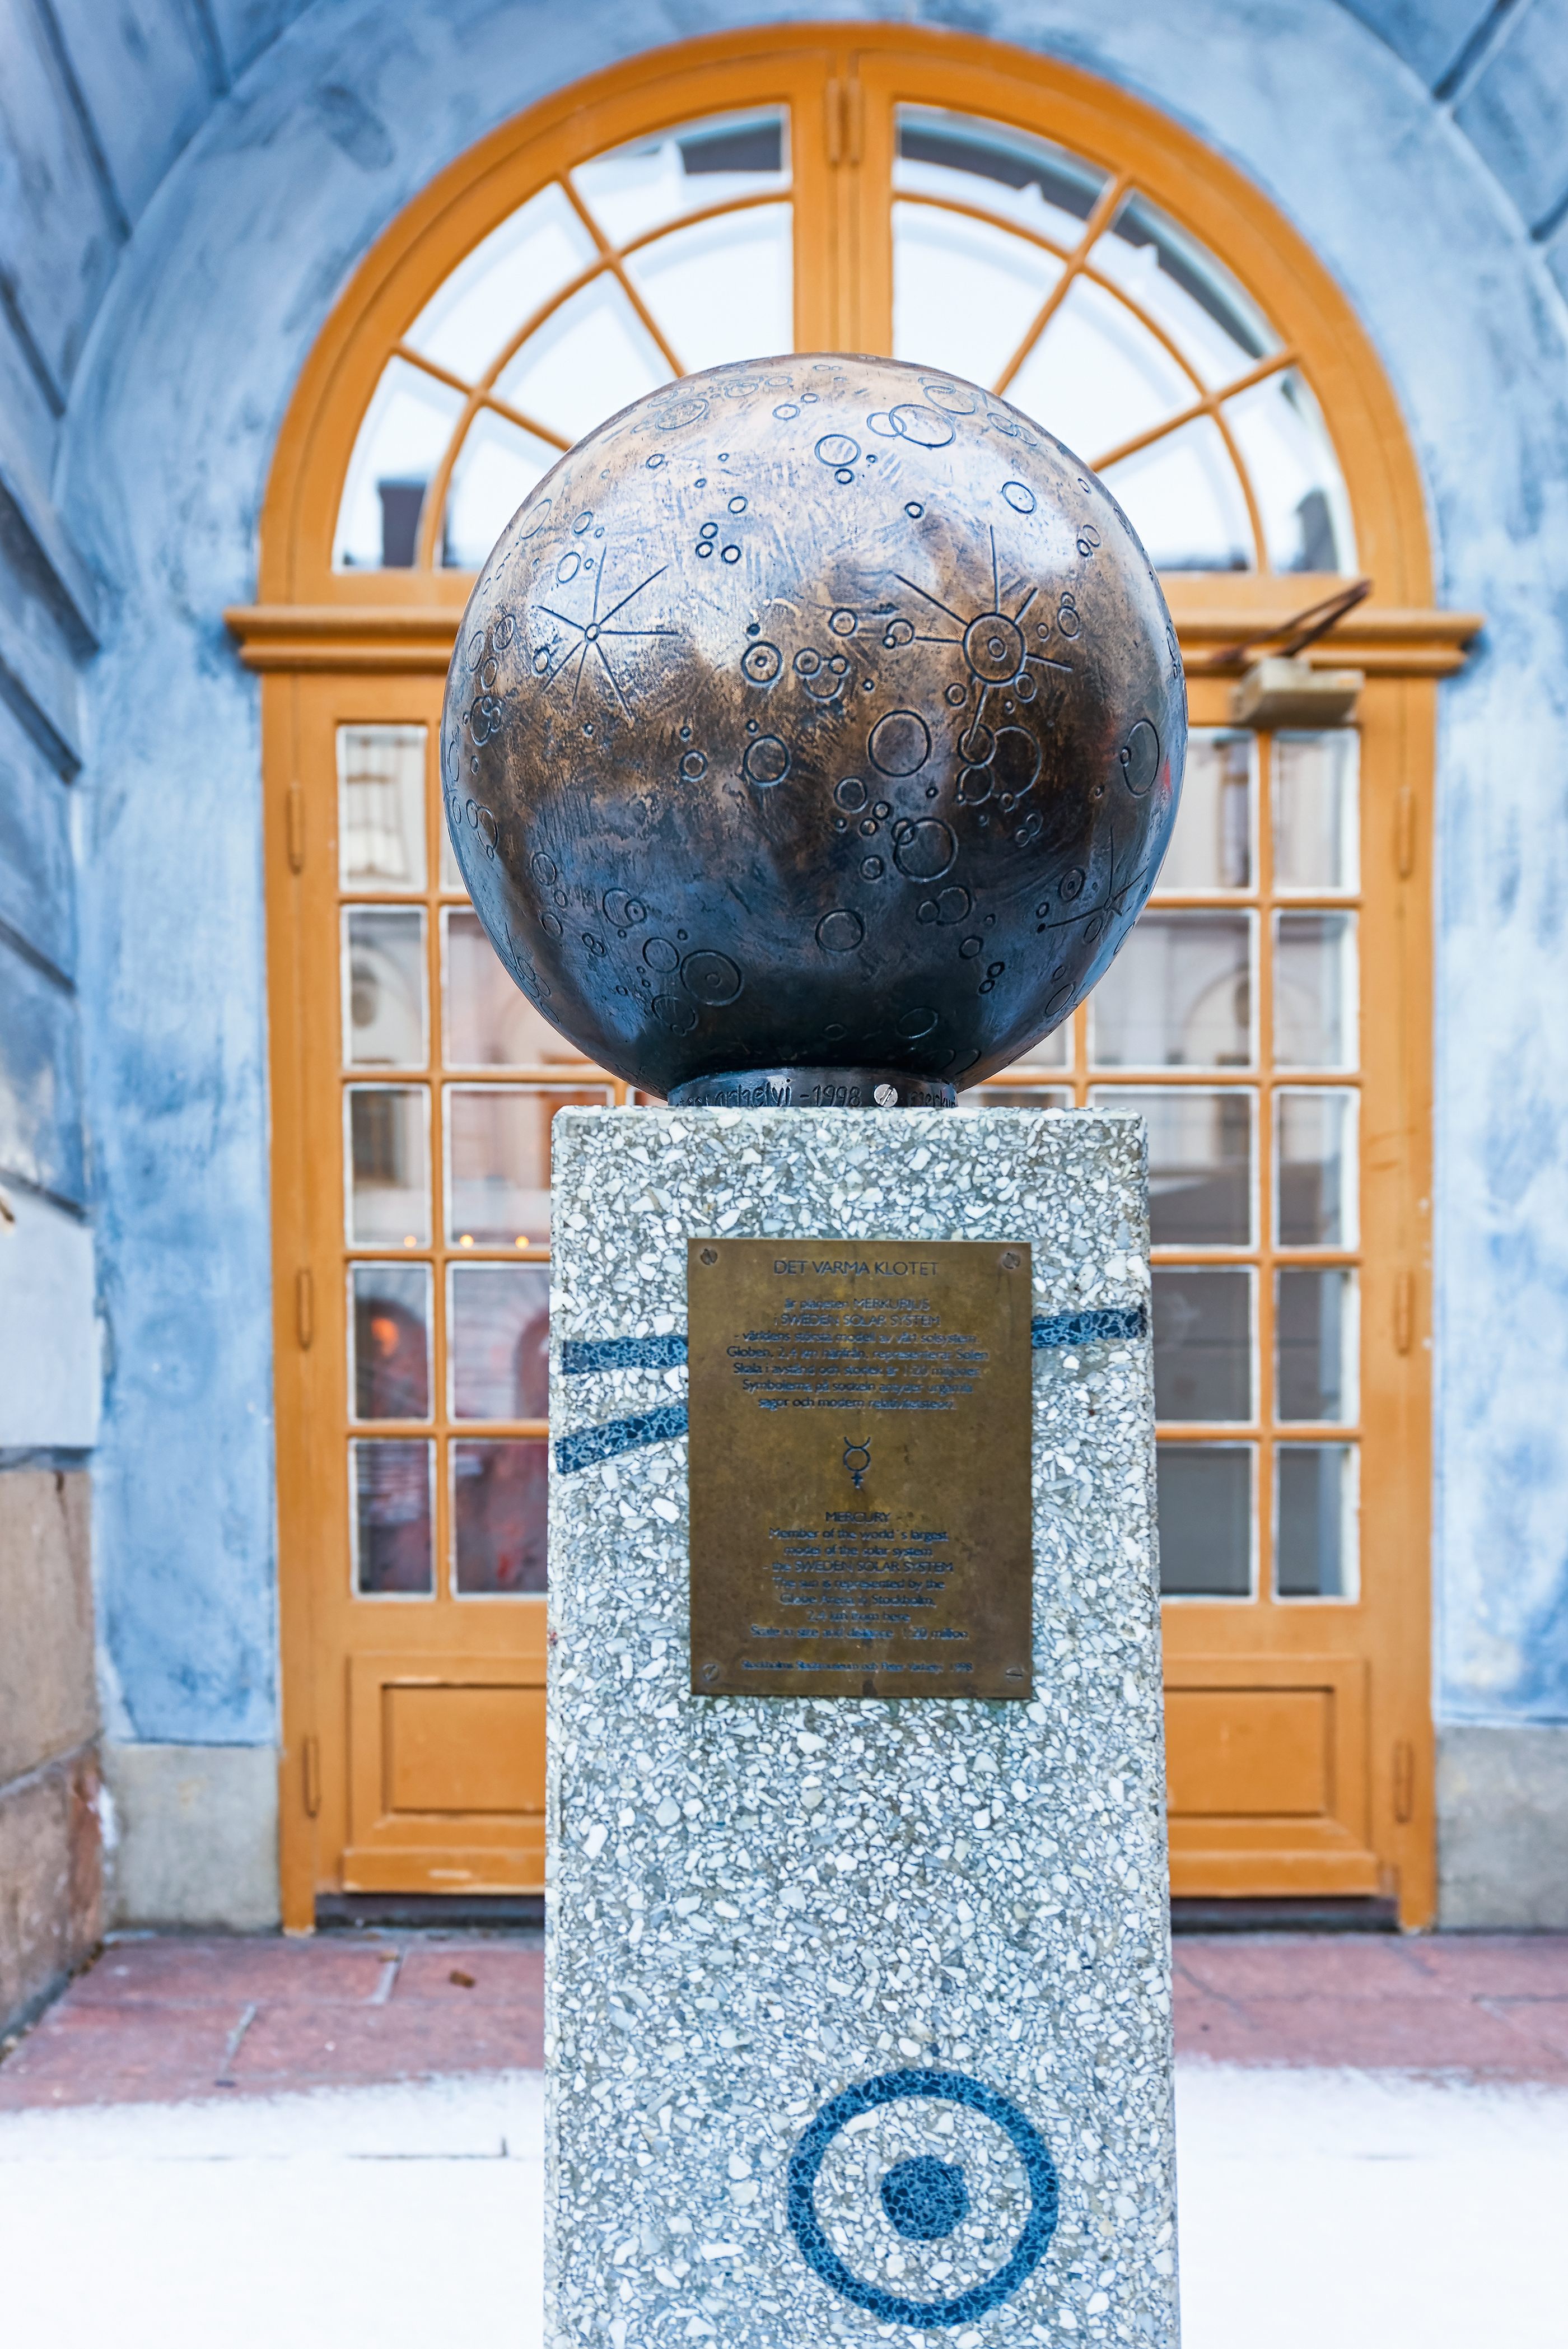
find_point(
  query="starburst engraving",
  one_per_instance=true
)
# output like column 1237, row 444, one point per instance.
column 590, row 636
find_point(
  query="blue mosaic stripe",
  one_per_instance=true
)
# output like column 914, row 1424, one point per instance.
column 580, row 1354
column 612, row 1436
column 1090, row 1328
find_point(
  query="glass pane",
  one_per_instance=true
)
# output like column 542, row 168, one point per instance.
column 1199, row 1163
column 720, row 160
column 498, row 1161
column 1202, row 1343
column 498, row 1337
column 402, row 440
column 1177, row 996
column 451, row 877
column 490, row 1023
column 1295, row 475
column 979, row 162
column 389, row 1165
column 1316, row 810
column 1183, row 497
column 1015, row 1097
column 381, row 807
column 389, row 1341
column 500, row 1505
column 964, row 293
column 1052, row 1052
column 390, row 1489
column 1212, row 845
column 594, row 356
column 1315, row 990
column 1315, row 1168
column 1096, row 377
column 497, row 466
column 1315, row 1499
column 1219, row 329
column 1205, row 1504
column 384, row 986
column 724, row 289
column 501, row 283
column 1314, row 1343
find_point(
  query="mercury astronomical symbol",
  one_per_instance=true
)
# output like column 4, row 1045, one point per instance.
column 813, row 735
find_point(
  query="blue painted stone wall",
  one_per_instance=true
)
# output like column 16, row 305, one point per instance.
column 185, row 189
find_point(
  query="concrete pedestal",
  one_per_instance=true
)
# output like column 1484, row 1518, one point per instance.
column 857, row 2013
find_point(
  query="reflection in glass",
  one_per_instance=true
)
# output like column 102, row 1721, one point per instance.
column 1205, row 1505
column 1211, row 844
column 490, row 1023
column 591, row 358
column 384, row 979
column 1096, row 377
column 390, row 1340
column 1015, row 1097
column 1218, row 329
column 381, row 807
column 1315, row 1520
column 722, row 289
column 1199, row 1163
column 1179, row 995
column 1203, row 1319
column 1184, row 498
column 964, row 292
column 496, row 467
column 389, row 1165
column 654, row 180
column 1314, row 1167
column 1316, row 816
column 390, row 1513
column 500, row 1495
column 501, row 283
column 1315, row 990
column 1026, row 179
column 403, row 439
column 1295, row 475
column 1314, row 1343
column 498, row 1161
column 498, row 1337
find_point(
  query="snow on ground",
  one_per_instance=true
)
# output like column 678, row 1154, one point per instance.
column 1319, row 2210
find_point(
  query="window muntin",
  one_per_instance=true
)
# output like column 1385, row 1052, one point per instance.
column 669, row 254
column 1061, row 287
column 1244, row 967
column 1072, row 295
column 447, row 1202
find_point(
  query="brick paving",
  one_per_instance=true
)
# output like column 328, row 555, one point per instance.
column 169, row 2018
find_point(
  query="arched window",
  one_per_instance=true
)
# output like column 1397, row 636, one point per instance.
column 1017, row 222
column 1056, row 281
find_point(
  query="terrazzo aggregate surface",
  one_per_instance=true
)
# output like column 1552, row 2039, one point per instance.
column 762, row 1903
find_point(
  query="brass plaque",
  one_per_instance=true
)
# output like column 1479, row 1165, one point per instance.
column 859, row 1421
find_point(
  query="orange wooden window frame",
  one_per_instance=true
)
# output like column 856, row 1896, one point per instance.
column 375, row 644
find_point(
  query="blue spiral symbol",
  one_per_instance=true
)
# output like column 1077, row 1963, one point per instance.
column 923, row 2199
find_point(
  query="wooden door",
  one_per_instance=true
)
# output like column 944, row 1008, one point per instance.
column 983, row 213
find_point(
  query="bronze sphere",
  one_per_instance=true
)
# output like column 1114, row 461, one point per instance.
column 814, row 733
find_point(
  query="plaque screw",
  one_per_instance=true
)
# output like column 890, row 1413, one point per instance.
column 710, row 1671
column 886, row 1096
column 1011, row 1259
column 708, row 1255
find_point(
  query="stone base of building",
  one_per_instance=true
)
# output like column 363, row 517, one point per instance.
column 1503, row 1829
column 196, row 1832
column 50, row 1837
